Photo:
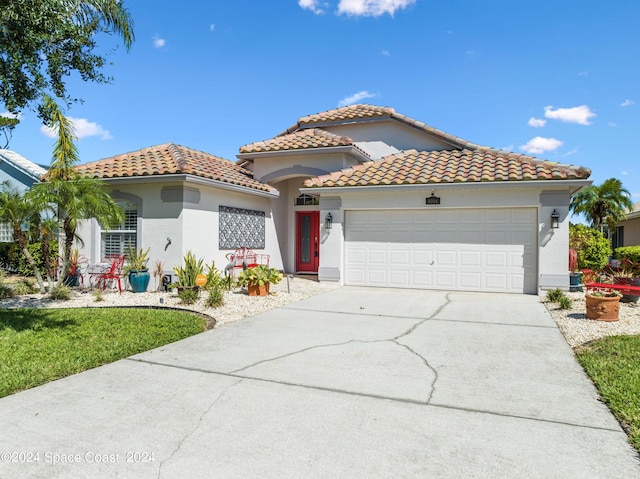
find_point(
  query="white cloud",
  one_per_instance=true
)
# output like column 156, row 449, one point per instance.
column 8, row 114
column 569, row 153
column 539, row 145
column 385, row 53
column 537, row 122
column 356, row 97
column 613, row 124
column 159, row 42
column 83, row 129
column 371, row 8
column 577, row 114
column 583, row 74
column 508, row 148
column 627, row 102
column 315, row 6
column 212, row 27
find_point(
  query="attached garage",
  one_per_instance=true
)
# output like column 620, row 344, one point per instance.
column 470, row 249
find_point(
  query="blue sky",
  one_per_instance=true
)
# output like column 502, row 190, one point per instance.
column 556, row 79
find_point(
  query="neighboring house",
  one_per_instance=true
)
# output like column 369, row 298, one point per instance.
column 21, row 174
column 627, row 232
column 361, row 195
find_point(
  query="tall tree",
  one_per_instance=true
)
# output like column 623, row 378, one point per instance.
column 42, row 42
column 76, row 198
column 603, row 205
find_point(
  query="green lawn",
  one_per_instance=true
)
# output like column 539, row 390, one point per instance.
column 40, row 345
column 613, row 364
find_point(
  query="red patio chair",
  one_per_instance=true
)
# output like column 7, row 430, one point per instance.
column 113, row 273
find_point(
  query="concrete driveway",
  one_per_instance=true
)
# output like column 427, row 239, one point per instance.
column 352, row 383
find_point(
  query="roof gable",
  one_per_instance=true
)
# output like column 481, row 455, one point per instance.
column 449, row 166
column 364, row 113
column 170, row 159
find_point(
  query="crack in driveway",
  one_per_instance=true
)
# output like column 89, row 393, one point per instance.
column 394, row 340
column 197, row 426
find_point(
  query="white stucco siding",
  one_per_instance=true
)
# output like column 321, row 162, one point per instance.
column 395, row 134
column 188, row 214
column 201, row 232
column 273, row 168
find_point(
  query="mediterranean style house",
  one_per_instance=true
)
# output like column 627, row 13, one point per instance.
column 361, row 195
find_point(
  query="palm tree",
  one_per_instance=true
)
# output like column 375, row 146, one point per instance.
column 77, row 199
column 18, row 212
column 603, row 205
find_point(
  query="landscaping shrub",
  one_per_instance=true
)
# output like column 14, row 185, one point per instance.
column 593, row 248
column 631, row 253
column 24, row 286
column 188, row 295
column 565, row 302
column 554, row 295
column 60, row 292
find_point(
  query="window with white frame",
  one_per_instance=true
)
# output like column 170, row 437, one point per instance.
column 6, row 233
column 115, row 241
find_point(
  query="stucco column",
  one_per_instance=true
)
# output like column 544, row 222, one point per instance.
column 331, row 240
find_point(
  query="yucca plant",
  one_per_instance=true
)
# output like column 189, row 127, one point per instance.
column 188, row 273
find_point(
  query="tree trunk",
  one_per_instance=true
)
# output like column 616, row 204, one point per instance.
column 20, row 238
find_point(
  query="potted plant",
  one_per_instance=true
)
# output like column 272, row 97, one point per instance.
column 73, row 276
column 628, row 274
column 603, row 305
column 136, row 268
column 574, row 274
column 258, row 279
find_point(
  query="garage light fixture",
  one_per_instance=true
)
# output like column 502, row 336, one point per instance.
column 328, row 221
column 555, row 220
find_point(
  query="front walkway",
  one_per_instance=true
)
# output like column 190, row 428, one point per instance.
column 355, row 382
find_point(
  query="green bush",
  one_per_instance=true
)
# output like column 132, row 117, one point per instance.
column 188, row 294
column 554, row 295
column 593, row 248
column 216, row 297
column 631, row 253
column 12, row 258
column 565, row 302
column 9, row 256
column 60, row 292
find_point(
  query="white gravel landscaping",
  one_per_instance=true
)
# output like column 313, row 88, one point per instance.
column 577, row 329
column 237, row 305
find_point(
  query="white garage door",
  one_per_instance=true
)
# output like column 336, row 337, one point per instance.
column 457, row 249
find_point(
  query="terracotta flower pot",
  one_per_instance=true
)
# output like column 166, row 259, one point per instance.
column 603, row 308
column 257, row 290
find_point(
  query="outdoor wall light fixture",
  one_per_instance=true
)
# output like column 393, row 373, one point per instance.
column 555, row 220
column 328, row 221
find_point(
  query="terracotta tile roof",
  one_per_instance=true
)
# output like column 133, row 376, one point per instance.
column 169, row 159
column 371, row 112
column 449, row 166
column 303, row 139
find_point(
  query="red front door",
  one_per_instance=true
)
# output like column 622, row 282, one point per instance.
column 307, row 241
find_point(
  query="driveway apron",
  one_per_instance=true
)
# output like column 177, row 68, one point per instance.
column 351, row 383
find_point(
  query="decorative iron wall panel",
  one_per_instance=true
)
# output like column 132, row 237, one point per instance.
column 240, row 227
